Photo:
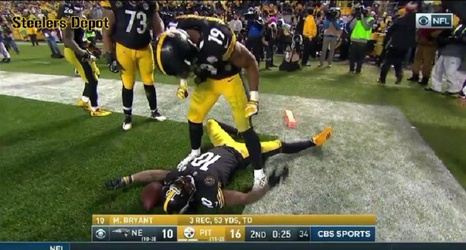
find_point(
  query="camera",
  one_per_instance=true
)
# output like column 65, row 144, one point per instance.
column 359, row 9
column 251, row 14
column 332, row 14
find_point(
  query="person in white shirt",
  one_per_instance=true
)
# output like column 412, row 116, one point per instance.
column 236, row 25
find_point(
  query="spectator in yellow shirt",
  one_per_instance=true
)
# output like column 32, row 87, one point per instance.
column 309, row 33
column 32, row 32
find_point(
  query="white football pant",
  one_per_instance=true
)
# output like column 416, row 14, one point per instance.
column 447, row 67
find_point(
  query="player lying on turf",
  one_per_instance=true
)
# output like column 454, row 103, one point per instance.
column 203, row 180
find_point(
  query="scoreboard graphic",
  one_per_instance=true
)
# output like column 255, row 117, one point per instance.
column 233, row 228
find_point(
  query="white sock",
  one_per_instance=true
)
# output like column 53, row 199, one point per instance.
column 196, row 151
column 95, row 108
column 259, row 173
column 84, row 98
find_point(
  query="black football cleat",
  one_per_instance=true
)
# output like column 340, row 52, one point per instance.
column 157, row 116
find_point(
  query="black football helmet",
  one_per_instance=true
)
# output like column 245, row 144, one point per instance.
column 77, row 6
column 178, row 195
column 175, row 53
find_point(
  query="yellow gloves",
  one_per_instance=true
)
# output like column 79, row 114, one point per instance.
column 252, row 107
column 182, row 92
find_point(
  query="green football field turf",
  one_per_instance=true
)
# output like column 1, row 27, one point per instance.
column 44, row 146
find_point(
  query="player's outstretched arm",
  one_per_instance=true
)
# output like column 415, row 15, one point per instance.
column 141, row 177
column 243, row 58
column 235, row 198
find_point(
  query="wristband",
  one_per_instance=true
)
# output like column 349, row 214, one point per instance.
column 254, row 96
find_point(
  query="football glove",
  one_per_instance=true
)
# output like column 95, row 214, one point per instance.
column 88, row 57
column 182, row 92
column 113, row 64
column 118, row 182
column 252, row 108
column 275, row 178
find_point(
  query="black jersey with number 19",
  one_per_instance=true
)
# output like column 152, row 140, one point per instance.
column 216, row 45
column 211, row 171
column 133, row 22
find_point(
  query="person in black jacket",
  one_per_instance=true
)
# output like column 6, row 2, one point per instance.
column 400, row 37
column 268, row 41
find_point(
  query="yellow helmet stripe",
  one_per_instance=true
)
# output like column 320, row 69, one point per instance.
column 231, row 47
column 220, row 198
column 158, row 51
column 170, row 195
column 196, row 17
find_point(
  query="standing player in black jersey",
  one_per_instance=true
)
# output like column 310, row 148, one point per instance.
column 129, row 50
column 76, row 54
column 208, row 47
column 202, row 182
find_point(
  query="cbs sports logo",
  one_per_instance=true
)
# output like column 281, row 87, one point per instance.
column 434, row 20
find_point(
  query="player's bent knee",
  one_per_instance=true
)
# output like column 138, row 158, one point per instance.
column 242, row 128
column 195, row 117
column 147, row 83
column 147, row 78
column 270, row 146
column 127, row 84
column 242, row 123
column 211, row 122
column 211, row 125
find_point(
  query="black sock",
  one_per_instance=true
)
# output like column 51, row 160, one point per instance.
column 93, row 93
column 86, row 90
column 195, row 134
column 151, row 96
column 227, row 128
column 254, row 148
column 127, row 96
column 295, row 147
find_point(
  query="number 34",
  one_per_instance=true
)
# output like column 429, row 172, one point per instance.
column 217, row 36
